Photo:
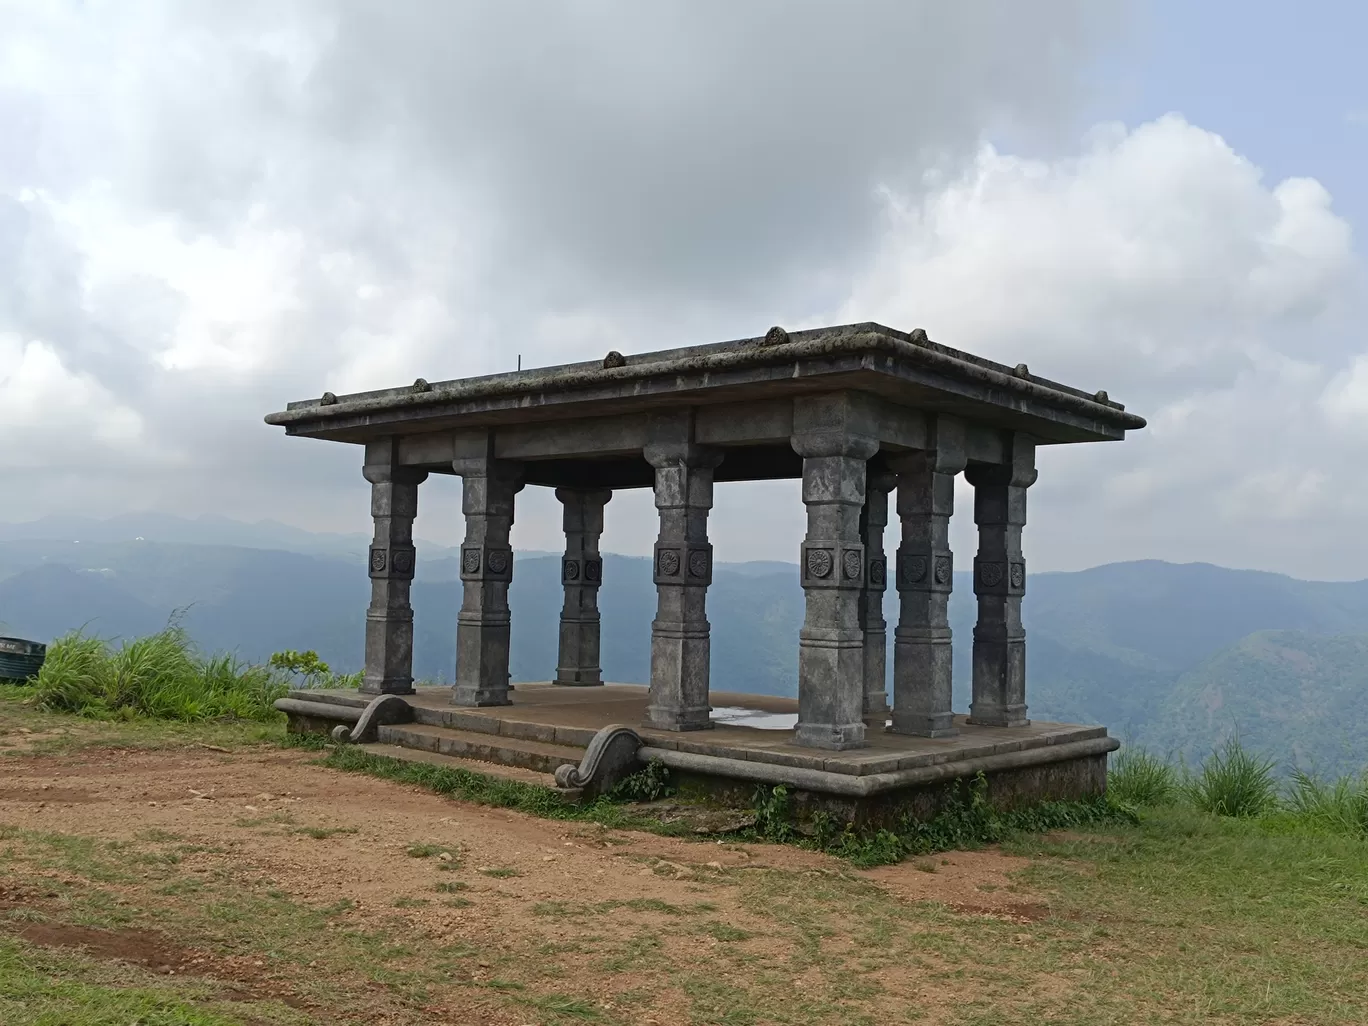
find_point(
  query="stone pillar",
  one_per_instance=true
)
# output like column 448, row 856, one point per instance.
column 680, row 647
column 922, row 660
column 389, row 619
column 581, row 574
column 482, row 625
column 999, row 696
column 873, row 519
column 832, row 565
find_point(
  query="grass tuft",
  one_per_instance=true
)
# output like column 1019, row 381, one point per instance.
column 1140, row 778
column 1234, row 782
column 1340, row 806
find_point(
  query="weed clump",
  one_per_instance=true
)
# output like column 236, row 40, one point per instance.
column 160, row 676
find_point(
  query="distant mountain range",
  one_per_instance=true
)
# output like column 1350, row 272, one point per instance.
column 1172, row 656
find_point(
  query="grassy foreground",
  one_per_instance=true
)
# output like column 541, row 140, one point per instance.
column 1180, row 916
column 1227, row 895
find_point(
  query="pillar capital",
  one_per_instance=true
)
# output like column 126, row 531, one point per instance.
column 1017, row 471
column 663, row 454
column 816, row 444
column 394, row 475
column 587, row 496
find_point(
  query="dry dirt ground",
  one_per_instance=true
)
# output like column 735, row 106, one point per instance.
column 279, row 890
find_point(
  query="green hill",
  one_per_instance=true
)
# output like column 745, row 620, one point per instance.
column 1174, row 656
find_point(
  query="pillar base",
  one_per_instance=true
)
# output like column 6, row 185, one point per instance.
column 1000, row 716
column 578, row 678
column 387, row 687
column 939, row 725
column 658, row 718
column 875, row 716
column 467, row 696
column 834, row 737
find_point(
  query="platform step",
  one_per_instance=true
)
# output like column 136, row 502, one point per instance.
column 487, row 769
column 491, row 748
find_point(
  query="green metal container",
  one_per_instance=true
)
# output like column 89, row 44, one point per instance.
column 20, row 659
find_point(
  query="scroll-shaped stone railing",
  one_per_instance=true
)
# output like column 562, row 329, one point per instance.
column 611, row 756
column 364, row 722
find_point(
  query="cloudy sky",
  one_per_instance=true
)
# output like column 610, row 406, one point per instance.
column 209, row 209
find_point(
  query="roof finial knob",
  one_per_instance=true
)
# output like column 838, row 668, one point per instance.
column 421, row 385
column 328, row 399
column 614, row 359
column 1101, row 396
column 918, row 335
column 776, row 336
column 1022, row 371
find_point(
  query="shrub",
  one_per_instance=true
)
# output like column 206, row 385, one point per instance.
column 309, row 671
column 1138, row 777
column 1340, row 806
column 1234, row 782
column 160, row 676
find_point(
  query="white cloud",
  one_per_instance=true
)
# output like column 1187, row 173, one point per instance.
column 1159, row 265
column 37, row 390
column 208, row 210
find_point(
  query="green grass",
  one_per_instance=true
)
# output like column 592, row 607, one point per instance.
column 42, row 988
column 1236, row 783
column 161, row 676
column 1168, row 914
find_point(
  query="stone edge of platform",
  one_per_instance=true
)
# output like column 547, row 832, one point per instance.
column 847, row 765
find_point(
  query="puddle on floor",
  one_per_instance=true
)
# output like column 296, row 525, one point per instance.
column 736, row 716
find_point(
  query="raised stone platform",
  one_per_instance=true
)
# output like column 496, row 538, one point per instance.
column 549, row 726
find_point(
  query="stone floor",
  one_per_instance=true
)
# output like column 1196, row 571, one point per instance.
column 750, row 727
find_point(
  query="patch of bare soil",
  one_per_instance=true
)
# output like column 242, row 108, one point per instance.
column 146, row 948
column 971, row 882
column 395, row 852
